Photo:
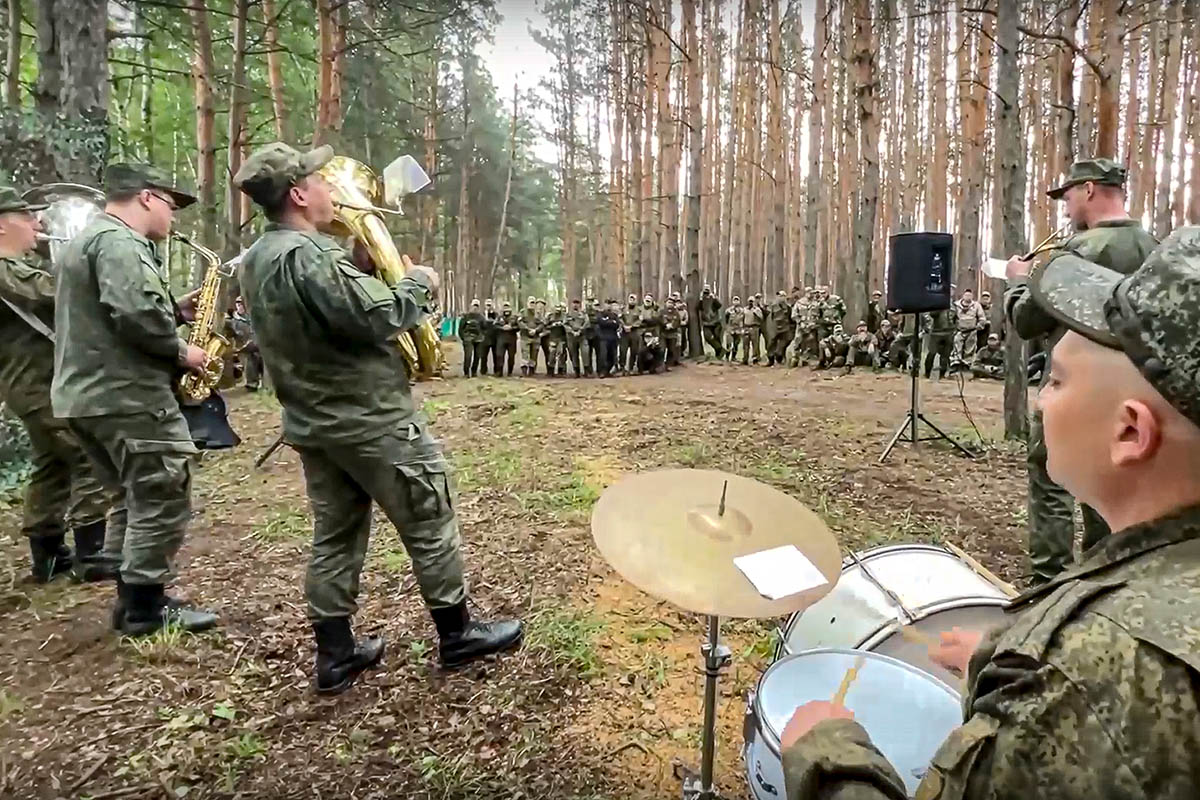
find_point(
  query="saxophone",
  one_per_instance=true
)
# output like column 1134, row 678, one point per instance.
column 356, row 192
column 205, row 331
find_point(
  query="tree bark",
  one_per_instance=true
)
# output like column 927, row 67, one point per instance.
column 816, row 178
column 1065, row 100
column 1010, row 194
column 1108, row 80
column 618, row 191
column 202, row 78
column 669, row 142
column 936, row 212
column 274, row 67
column 1193, row 210
column 858, row 291
column 1169, row 115
column 634, row 97
column 12, row 61
column 649, row 276
column 1143, row 194
column 237, row 131
column 1133, row 44
column 695, row 123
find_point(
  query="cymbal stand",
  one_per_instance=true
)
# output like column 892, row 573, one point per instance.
column 716, row 657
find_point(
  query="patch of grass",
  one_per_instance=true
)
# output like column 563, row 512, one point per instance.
column 449, row 777
column 431, row 408
column 246, row 747
column 394, row 560
column 568, row 636
column 282, row 526
column 654, row 669
column 499, row 466
column 698, row 454
column 763, row 647
column 525, row 416
column 657, row 632
column 576, row 494
column 159, row 646
column 10, row 705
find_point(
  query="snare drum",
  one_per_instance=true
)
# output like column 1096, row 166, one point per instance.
column 883, row 588
column 908, row 713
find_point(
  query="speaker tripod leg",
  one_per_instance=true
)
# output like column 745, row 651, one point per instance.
column 900, row 431
column 942, row 434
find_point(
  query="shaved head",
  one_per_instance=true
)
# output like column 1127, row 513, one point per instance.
column 1111, row 439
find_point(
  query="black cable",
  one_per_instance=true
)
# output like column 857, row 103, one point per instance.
column 962, row 382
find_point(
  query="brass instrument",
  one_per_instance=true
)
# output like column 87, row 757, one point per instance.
column 206, row 326
column 1049, row 243
column 356, row 194
column 70, row 207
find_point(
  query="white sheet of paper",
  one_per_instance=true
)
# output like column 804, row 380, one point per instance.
column 996, row 268
column 780, row 571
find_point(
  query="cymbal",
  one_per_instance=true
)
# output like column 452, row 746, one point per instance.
column 665, row 533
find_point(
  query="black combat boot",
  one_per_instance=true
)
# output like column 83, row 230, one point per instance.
column 91, row 564
column 340, row 660
column 142, row 609
column 48, row 558
column 463, row 640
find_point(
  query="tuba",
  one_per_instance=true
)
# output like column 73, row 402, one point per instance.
column 356, row 196
column 70, row 207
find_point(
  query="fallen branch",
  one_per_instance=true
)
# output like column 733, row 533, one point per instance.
column 87, row 776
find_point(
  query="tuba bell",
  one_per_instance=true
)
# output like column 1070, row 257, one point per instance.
column 69, row 209
column 356, row 195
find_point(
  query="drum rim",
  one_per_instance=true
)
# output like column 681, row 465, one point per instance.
column 773, row 740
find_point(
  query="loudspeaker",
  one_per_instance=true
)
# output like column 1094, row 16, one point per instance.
column 919, row 272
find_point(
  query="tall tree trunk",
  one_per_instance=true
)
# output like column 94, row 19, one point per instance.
column 1193, row 210
column 649, row 278
column 1133, row 44
column 774, row 272
column 865, row 48
column 816, row 197
column 147, row 85
column 202, row 79
column 669, row 150
column 618, row 191
column 634, row 96
column 275, row 67
column 431, row 202
column 911, row 127
column 695, row 124
column 1169, row 116
column 1108, row 81
column 465, row 156
column 331, row 45
column 12, row 60
column 237, row 131
column 1144, row 190
column 1010, row 194
column 936, row 213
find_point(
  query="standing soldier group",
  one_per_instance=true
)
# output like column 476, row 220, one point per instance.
column 599, row 341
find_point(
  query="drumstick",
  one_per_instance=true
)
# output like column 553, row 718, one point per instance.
column 1000, row 584
column 917, row 637
column 839, row 697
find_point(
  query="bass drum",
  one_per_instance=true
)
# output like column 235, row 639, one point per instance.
column 881, row 589
column 908, row 713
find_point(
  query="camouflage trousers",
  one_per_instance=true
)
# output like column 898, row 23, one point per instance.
column 712, row 335
column 529, row 349
column 588, row 348
column 146, row 459
column 64, row 490
column 407, row 475
column 570, row 354
column 1052, row 514
column 856, row 357
column 505, row 354
column 962, row 353
column 803, row 347
column 556, row 356
column 750, row 340
column 674, row 342
column 938, row 345
column 628, row 347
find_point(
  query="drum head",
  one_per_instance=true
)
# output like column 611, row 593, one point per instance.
column 907, row 713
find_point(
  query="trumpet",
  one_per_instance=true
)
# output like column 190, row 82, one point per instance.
column 1049, row 243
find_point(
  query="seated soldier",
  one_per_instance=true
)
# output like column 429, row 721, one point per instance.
column 885, row 341
column 989, row 361
column 860, row 348
column 834, row 349
column 652, row 354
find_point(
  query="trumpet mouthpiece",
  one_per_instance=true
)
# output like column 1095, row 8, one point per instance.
column 45, row 237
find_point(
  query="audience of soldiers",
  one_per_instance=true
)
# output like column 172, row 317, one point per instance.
column 801, row 328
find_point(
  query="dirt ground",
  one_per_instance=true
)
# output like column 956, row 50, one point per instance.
column 605, row 697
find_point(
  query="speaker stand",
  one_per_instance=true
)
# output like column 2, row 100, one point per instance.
column 908, row 431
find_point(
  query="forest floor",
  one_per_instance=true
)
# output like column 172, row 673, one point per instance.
column 606, row 694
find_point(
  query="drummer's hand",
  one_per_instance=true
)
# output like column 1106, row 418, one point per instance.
column 808, row 715
column 1017, row 267
column 955, row 648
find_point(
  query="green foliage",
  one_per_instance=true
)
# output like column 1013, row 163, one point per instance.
column 282, row 526
column 568, row 637
column 14, row 454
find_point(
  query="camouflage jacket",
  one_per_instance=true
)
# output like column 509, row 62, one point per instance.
column 470, row 327
column 781, row 313
column 554, row 326
column 875, row 315
column 710, row 312
column 650, row 320
column 733, row 320
column 671, row 320
column 242, row 333
column 752, row 317
column 488, row 324
column 1120, row 245
column 939, row 322
column 631, row 317
column 969, row 318
column 987, row 357
column 26, row 356
column 506, row 325
column 836, row 343
column 327, row 333
column 1092, row 692
column 832, row 311
column 862, row 341
column 884, row 341
column 117, row 348
column 576, row 322
column 531, row 324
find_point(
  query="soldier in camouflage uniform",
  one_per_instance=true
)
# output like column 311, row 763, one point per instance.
column 672, row 325
column 489, row 339
column 555, row 341
column 876, row 313
column 64, row 491
column 116, row 357
column 733, row 327
column 781, row 333
column 989, row 360
column 531, row 324
column 832, row 311
column 470, row 333
column 506, row 328
column 1093, row 689
column 1095, row 197
column 608, row 333
column 938, row 329
column 985, row 303
column 833, row 349
column 796, row 351
column 631, row 339
column 327, row 331
column 247, row 349
column 969, row 319
column 861, row 348
column 575, row 322
column 711, row 321
column 589, row 343
column 752, row 319
column 885, row 342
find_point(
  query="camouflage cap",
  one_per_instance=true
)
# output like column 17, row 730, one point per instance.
column 1151, row 315
column 274, row 168
column 11, row 200
column 1096, row 170
column 124, row 178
